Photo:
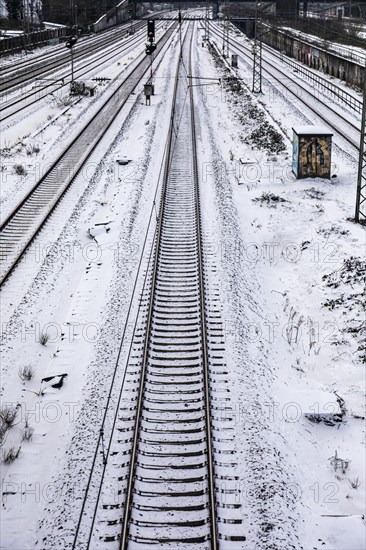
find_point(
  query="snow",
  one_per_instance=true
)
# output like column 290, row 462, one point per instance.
column 312, row 130
column 284, row 286
column 271, row 266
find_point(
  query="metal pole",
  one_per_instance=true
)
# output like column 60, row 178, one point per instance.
column 207, row 24
column 224, row 32
column 360, row 212
column 72, row 64
column 257, row 51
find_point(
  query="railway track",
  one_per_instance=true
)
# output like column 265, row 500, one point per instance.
column 166, row 456
column 18, row 230
column 172, row 459
column 44, row 63
column 342, row 125
column 317, row 81
column 16, row 105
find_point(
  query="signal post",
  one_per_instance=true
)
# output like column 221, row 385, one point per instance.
column 149, row 50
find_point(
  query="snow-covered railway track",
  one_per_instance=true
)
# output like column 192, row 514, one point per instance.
column 166, row 461
column 170, row 496
column 274, row 73
column 23, row 101
column 18, row 230
column 25, row 71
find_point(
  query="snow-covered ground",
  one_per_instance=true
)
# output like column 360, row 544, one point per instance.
column 288, row 264
column 300, row 260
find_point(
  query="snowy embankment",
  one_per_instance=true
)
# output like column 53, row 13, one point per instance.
column 294, row 269
column 356, row 53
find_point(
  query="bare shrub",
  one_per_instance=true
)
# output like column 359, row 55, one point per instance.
column 20, row 170
column 10, row 455
column 27, row 372
column 33, row 149
column 27, row 431
column 339, row 463
column 269, row 199
column 3, row 429
column 8, row 414
column 355, row 483
column 43, row 338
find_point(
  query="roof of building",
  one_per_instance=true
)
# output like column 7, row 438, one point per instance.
column 312, row 130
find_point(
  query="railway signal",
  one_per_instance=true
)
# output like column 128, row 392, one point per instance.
column 207, row 23
column 150, row 48
column 70, row 44
column 151, row 30
column 150, row 45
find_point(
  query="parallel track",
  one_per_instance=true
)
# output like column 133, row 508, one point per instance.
column 343, row 126
column 16, row 105
column 44, row 63
column 171, row 485
column 23, row 224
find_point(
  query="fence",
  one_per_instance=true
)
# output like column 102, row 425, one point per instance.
column 325, row 85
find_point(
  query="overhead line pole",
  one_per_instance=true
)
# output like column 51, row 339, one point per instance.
column 257, row 50
column 360, row 212
column 207, row 33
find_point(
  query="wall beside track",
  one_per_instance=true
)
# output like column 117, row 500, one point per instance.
column 117, row 15
column 349, row 69
column 31, row 40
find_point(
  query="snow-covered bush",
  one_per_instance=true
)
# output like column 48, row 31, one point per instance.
column 10, row 455
column 27, row 372
column 8, row 414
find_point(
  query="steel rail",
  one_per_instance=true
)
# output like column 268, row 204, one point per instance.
column 322, row 83
column 149, row 324
column 87, row 140
column 112, row 388
column 210, row 453
column 133, row 459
